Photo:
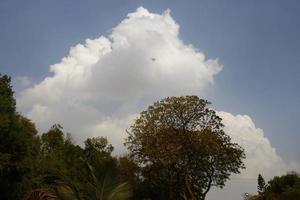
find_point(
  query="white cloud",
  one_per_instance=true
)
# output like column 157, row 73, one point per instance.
column 99, row 86
column 261, row 157
column 113, row 77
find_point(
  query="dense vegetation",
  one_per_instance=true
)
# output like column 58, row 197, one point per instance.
column 286, row 187
column 50, row 165
column 176, row 150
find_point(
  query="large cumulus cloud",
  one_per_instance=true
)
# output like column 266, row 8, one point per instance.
column 107, row 79
column 100, row 86
column 261, row 157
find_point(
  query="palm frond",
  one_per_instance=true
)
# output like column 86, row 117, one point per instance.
column 121, row 192
column 40, row 194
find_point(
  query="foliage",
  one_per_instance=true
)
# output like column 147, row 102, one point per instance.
column 279, row 188
column 53, row 140
column 50, row 165
column 283, row 187
column 18, row 145
column 97, row 148
column 181, row 150
column 261, row 185
column 40, row 194
column 81, row 173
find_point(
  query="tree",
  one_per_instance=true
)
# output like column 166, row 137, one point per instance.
column 261, row 185
column 181, row 149
column 96, row 179
column 53, row 140
column 283, row 188
column 51, row 166
column 97, row 153
column 19, row 145
column 97, row 146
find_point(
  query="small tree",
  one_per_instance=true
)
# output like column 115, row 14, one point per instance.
column 53, row 140
column 181, row 149
column 261, row 185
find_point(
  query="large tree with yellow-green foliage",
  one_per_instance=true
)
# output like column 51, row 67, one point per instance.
column 181, row 149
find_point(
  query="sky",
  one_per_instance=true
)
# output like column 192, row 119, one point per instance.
column 88, row 65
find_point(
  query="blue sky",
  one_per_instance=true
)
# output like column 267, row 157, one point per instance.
column 257, row 42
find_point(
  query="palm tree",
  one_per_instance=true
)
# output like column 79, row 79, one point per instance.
column 97, row 185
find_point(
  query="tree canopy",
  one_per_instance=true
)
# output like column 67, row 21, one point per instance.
column 50, row 165
column 18, row 144
column 179, row 143
column 283, row 187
